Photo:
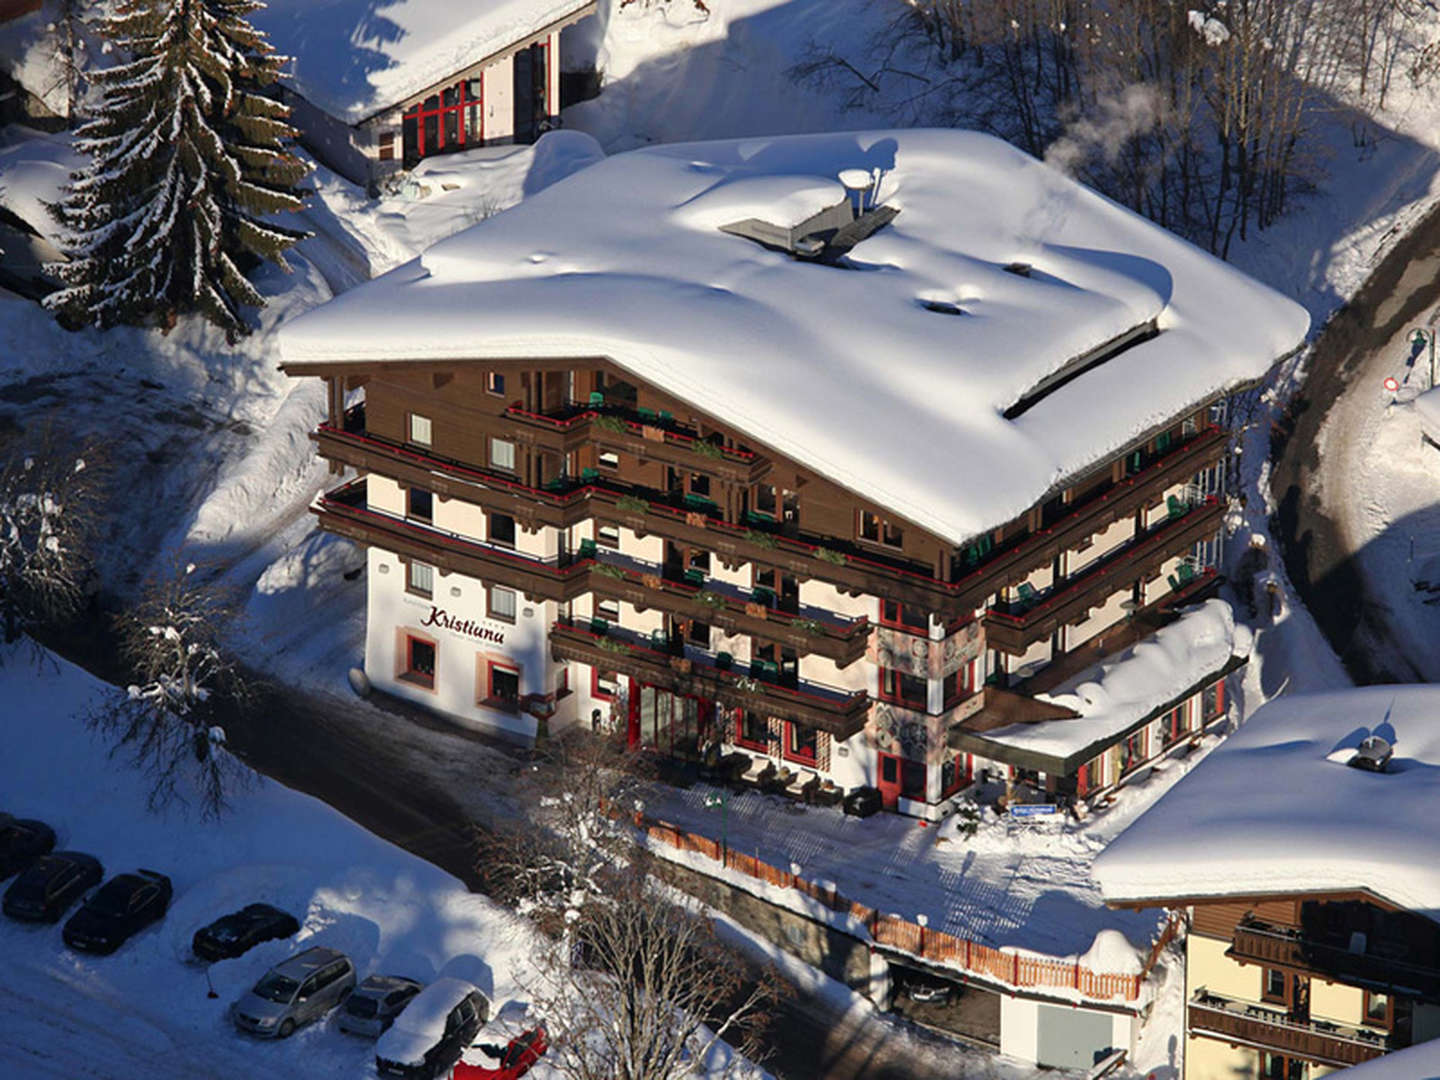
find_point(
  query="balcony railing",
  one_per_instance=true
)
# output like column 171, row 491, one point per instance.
column 1253, row 1024
column 1071, row 600
column 1260, row 942
column 840, row 562
column 840, row 712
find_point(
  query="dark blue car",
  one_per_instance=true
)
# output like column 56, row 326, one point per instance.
column 120, row 908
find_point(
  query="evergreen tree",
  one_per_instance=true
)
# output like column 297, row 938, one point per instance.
column 187, row 158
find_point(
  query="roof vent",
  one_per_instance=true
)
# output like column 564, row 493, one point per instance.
column 1019, row 269
column 829, row 235
column 942, row 307
column 1373, row 754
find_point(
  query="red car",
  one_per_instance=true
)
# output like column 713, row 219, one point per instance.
column 524, row 1050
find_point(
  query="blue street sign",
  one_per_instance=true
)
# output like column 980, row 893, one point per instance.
column 1033, row 809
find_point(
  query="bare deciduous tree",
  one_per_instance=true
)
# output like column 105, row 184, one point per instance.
column 48, row 506
column 167, row 721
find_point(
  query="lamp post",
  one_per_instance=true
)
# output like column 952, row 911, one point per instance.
column 1420, row 337
column 922, row 920
column 722, row 800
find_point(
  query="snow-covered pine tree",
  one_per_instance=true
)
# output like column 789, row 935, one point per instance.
column 187, row 159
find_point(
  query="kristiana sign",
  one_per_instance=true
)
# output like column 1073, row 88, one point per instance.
column 469, row 627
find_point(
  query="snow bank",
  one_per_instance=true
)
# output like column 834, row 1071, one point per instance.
column 1420, row 1062
column 1270, row 812
column 626, row 259
column 34, row 168
column 1118, row 693
column 354, row 58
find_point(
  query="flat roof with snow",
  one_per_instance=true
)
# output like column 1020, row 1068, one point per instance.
column 355, row 58
column 890, row 372
column 1274, row 810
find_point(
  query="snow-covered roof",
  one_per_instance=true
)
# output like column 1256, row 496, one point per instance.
column 1427, row 407
column 422, row 1022
column 1275, row 809
column 847, row 370
column 1115, row 695
column 355, row 58
column 1419, row 1062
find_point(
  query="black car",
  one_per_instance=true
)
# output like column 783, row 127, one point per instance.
column 123, row 906
column 49, row 885
column 22, row 841
column 863, row 801
column 241, row 931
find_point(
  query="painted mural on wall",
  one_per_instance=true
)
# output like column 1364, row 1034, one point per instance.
column 926, row 659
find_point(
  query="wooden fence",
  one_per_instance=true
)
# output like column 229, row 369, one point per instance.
column 1010, row 968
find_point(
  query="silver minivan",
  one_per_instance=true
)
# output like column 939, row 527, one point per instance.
column 295, row 992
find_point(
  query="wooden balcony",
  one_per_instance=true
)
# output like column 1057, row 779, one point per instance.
column 842, row 713
column 651, row 438
column 846, row 565
column 1247, row 1023
column 344, row 512
column 1074, row 598
column 1258, row 942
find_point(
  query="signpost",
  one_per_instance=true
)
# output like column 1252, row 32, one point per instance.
column 1029, row 810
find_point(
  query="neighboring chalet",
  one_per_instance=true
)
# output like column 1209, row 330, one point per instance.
column 853, row 485
column 1303, row 851
column 375, row 88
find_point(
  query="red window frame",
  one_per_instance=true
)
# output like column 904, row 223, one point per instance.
column 492, row 697
column 960, row 683
column 1219, row 707
column 893, row 614
column 892, row 689
column 595, row 690
column 1388, row 1022
column 805, row 756
column 741, row 739
column 422, row 110
column 412, row 674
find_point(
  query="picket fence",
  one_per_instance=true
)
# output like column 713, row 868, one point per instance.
column 1010, row 968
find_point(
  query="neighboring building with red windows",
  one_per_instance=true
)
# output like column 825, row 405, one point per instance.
column 856, row 483
column 376, row 89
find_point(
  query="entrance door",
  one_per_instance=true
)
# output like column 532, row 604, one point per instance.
column 532, row 78
column 673, row 724
column 888, row 780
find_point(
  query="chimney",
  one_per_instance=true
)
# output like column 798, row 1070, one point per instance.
column 859, row 187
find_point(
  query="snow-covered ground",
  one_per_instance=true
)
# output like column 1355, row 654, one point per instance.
column 144, row 1011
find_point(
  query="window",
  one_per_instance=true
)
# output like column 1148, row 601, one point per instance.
column 800, row 742
column 912, row 779
column 1133, row 751
column 699, row 485
column 1273, row 985
column 750, row 730
column 879, row 531
column 1377, row 1009
column 420, row 504
column 1212, row 700
column 900, row 689
column 699, row 633
column 502, row 454
column 387, row 146
column 420, row 579
column 420, row 429
column 608, row 536
column 893, row 613
column 609, row 460
column 954, row 774
column 960, row 684
column 504, row 685
column 502, row 529
column 419, row 662
column 609, row 610
column 604, row 684
column 444, row 122
column 502, row 603
column 495, row 383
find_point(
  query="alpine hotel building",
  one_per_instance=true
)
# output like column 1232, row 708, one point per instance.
column 850, row 476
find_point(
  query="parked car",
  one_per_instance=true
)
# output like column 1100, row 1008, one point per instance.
column 22, row 841
column 295, row 992
column 240, row 931
column 929, row 991
column 432, row 1032
column 372, row 1008
column 47, row 887
column 516, row 1058
column 119, row 909
column 863, row 801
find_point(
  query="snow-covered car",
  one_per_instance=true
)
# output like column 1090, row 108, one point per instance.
column 231, row 935
column 515, row 1058
column 372, row 1008
column 47, row 887
column 295, row 992
column 119, row 909
column 22, row 841
column 432, row 1032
